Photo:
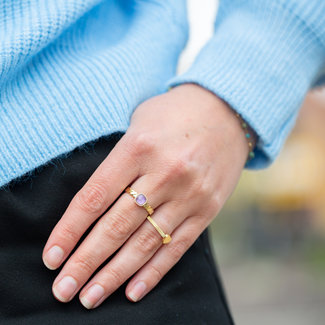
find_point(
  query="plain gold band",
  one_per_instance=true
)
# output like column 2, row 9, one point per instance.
column 166, row 238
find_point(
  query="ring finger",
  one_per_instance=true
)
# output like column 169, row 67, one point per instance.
column 109, row 233
column 139, row 248
column 156, row 268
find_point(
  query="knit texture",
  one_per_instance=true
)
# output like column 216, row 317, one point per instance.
column 262, row 60
column 73, row 71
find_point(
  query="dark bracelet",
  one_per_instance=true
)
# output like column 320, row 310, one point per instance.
column 249, row 137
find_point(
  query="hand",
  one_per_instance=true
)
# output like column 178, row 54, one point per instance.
column 185, row 151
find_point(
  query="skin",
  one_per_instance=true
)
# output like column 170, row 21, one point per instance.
column 185, row 150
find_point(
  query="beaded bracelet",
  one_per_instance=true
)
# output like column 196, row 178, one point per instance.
column 248, row 136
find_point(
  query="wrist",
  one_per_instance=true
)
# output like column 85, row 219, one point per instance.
column 235, row 127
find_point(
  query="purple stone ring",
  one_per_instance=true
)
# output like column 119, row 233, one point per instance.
column 140, row 199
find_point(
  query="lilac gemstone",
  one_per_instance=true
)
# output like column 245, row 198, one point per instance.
column 140, row 199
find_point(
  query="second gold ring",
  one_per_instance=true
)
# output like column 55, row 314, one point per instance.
column 141, row 200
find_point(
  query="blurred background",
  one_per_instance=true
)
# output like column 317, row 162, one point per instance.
column 269, row 239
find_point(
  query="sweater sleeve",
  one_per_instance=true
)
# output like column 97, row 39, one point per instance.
column 262, row 59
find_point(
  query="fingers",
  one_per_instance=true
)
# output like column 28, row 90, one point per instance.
column 165, row 258
column 100, row 191
column 110, row 232
column 135, row 252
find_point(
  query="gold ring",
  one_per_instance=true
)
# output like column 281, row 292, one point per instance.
column 140, row 199
column 166, row 238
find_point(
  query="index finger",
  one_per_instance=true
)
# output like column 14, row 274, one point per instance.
column 117, row 170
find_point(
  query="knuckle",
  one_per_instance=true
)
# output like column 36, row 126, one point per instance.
column 85, row 264
column 215, row 204
column 142, row 143
column 180, row 168
column 147, row 242
column 117, row 227
column 162, row 179
column 178, row 248
column 68, row 233
column 203, row 189
column 155, row 272
column 115, row 275
column 91, row 199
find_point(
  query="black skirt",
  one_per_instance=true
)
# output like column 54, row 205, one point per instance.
column 190, row 293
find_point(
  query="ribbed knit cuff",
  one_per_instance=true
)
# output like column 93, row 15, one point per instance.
column 262, row 60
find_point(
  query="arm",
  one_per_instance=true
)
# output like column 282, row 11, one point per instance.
column 185, row 150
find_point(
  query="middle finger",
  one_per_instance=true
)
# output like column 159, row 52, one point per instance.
column 109, row 233
column 139, row 248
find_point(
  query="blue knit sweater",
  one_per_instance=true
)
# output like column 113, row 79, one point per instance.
column 72, row 70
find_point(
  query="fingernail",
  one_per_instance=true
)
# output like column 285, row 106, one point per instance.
column 92, row 296
column 64, row 290
column 53, row 257
column 137, row 291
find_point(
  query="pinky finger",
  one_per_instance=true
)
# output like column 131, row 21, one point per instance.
column 165, row 258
